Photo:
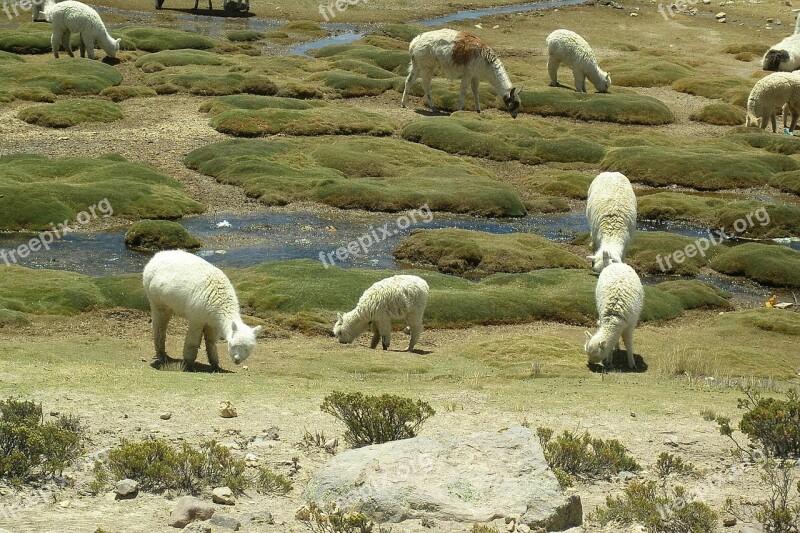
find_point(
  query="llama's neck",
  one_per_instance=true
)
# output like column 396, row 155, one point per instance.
column 226, row 325
column 614, row 246
column 610, row 329
column 498, row 78
column 596, row 75
column 107, row 43
column 355, row 323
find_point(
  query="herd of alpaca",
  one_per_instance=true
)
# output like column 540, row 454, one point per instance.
column 780, row 90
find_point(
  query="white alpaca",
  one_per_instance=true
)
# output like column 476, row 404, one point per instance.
column 611, row 212
column 771, row 93
column 619, row 296
column 569, row 48
column 180, row 283
column 459, row 56
column 400, row 297
column 39, row 6
column 784, row 56
column 70, row 17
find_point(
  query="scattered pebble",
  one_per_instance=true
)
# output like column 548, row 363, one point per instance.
column 126, row 489
column 227, row 410
column 166, row 416
column 729, row 521
column 223, row 496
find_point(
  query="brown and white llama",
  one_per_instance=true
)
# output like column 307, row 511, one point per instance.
column 459, row 56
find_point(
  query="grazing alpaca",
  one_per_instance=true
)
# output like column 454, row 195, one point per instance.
column 177, row 282
column 460, row 56
column 564, row 46
column 611, row 212
column 771, row 93
column 75, row 17
column 400, row 297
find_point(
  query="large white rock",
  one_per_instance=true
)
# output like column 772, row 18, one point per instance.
column 477, row 478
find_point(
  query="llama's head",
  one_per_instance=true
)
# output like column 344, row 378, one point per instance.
column 600, row 260
column 242, row 341
column 596, row 348
column 605, row 84
column 512, row 101
column 341, row 332
column 773, row 59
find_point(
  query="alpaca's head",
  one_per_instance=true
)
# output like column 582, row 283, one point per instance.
column 343, row 333
column 113, row 53
column 597, row 348
column 242, row 341
column 512, row 101
column 773, row 59
column 605, row 84
column 600, row 260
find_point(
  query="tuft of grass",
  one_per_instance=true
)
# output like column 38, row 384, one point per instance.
column 73, row 76
column 68, row 113
column 242, row 36
column 556, row 182
column 29, row 38
column 719, row 115
column 330, row 519
column 696, row 294
column 391, row 60
column 668, row 464
column 36, row 192
column 179, row 58
column 304, row 26
column 617, row 106
column 376, row 419
column 460, row 252
column 219, row 104
column 778, row 144
column 732, row 90
column 701, row 168
column 210, row 83
column 353, row 84
column 773, row 265
column 787, row 182
column 647, row 72
column 270, row 482
column 367, row 173
column 758, row 49
column 157, row 235
column 121, row 93
column 155, row 39
column 585, row 457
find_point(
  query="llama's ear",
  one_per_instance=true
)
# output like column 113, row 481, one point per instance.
column 512, row 92
column 606, row 257
column 588, row 335
column 257, row 330
column 234, row 327
column 338, row 317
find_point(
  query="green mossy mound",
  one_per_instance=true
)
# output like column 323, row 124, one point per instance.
column 391, row 60
column 329, row 120
column 477, row 253
column 719, row 115
column 728, row 89
column 778, row 144
column 304, row 26
column 698, row 168
column 364, row 173
column 242, row 36
column 766, row 220
column 255, row 102
column 401, row 32
column 696, row 294
column 501, row 140
column 30, row 38
column 154, row 39
column 43, row 80
column 36, row 192
column 787, row 182
column 204, row 83
column 773, row 265
column 157, row 235
column 772, row 320
column 651, row 253
column 12, row 318
column 617, row 106
column 562, row 183
column 121, row 93
column 67, row 113
column 547, row 205
column 647, row 73
column 47, row 292
column 179, row 58
column 354, row 85
column 7, row 57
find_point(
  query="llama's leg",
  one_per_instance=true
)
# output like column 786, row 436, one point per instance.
column 795, row 116
column 414, row 321
column 580, row 81
column 476, row 94
column 376, row 336
column 55, row 42
column 462, row 93
column 426, row 86
column 552, row 69
column 85, row 47
column 385, row 329
column 628, row 335
column 66, row 42
column 773, row 120
column 192, row 344
column 210, row 337
column 210, row 8
column 413, row 72
column 160, row 317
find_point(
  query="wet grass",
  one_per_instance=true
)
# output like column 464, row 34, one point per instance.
column 67, row 113
column 476, row 253
column 719, row 115
column 44, row 80
column 155, row 39
column 773, row 265
column 365, row 173
column 36, row 191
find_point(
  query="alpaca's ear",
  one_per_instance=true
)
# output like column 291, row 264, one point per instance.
column 602, row 345
column 338, row 317
column 257, row 330
column 606, row 257
column 234, row 327
column 588, row 335
column 512, row 92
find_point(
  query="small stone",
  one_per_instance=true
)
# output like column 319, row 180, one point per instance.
column 722, row 20
column 523, row 528
column 223, row 495
column 53, row 413
column 252, row 460
column 720, row 15
column 198, row 527
column 126, row 488
column 271, row 433
column 729, row 521
column 166, row 416
column 634, row 14
column 769, row 20
column 258, row 517
column 227, row 410
column 189, row 509
column 225, row 522
column 633, row 415
column 331, row 444
column 625, row 475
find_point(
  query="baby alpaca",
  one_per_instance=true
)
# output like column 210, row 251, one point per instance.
column 70, row 17
column 611, row 212
column 400, row 297
column 619, row 297
column 569, row 48
column 180, row 283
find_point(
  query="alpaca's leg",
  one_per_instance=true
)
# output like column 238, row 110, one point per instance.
column 552, row 69
column 773, row 120
column 628, row 335
column 413, row 72
column 209, row 5
column 580, row 81
column 192, row 344
column 414, row 321
column 476, row 95
column 210, row 337
column 426, row 86
column 462, row 93
column 385, row 330
column 88, row 42
column 196, row 3
column 160, row 317
column 376, row 336
column 55, row 42
column 66, row 42
column 84, row 46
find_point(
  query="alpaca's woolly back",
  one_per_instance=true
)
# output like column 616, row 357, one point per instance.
column 784, row 56
column 619, row 294
column 572, row 50
column 392, row 298
column 611, row 207
column 771, row 92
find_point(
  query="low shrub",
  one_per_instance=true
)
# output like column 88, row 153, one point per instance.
column 270, row 482
column 376, row 419
column 126, row 92
column 585, row 457
column 330, row 519
column 668, row 464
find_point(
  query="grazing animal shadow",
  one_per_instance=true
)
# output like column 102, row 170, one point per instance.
column 173, row 364
column 224, row 13
column 619, row 363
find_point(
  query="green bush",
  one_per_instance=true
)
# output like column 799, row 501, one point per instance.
column 157, row 235
column 330, row 519
column 376, row 419
column 659, row 511
column 158, row 466
column 780, row 513
column 270, row 482
column 772, row 423
column 31, row 449
column 67, row 113
column 585, row 457
column 668, row 464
